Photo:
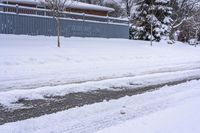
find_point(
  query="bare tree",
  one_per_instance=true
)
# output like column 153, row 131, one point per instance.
column 96, row 2
column 183, row 10
column 194, row 26
column 119, row 11
column 127, row 6
column 185, row 14
column 57, row 7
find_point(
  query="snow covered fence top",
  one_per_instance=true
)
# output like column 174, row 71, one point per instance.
column 69, row 4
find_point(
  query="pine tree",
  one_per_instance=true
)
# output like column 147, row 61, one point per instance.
column 155, row 13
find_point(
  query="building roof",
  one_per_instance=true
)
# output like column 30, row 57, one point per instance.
column 69, row 4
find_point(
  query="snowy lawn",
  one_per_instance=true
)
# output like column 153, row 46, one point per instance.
column 31, row 62
column 172, row 109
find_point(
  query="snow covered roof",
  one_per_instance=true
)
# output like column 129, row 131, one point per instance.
column 81, row 5
column 69, row 4
column 23, row 1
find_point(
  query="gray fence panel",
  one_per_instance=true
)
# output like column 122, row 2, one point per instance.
column 41, row 25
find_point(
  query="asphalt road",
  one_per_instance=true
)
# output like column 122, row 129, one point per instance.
column 36, row 108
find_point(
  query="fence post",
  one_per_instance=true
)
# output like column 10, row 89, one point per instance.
column 36, row 10
column 1, row 8
column 45, row 13
column 17, row 8
column 83, row 17
column 83, row 25
column 108, row 19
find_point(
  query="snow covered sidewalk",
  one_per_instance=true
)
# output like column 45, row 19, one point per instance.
column 28, row 62
column 179, row 104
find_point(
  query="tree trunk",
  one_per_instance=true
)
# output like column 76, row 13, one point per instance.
column 128, row 9
column 58, row 31
column 151, row 34
column 196, row 34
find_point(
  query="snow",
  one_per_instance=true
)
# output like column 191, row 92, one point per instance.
column 184, row 118
column 69, row 4
column 80, row 5
column 9, row 98
column 116, row 1
column 162, row 1
column 32, row 67
column 25, row 60
column 171, row 109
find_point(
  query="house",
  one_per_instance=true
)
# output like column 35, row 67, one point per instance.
column 71, row 6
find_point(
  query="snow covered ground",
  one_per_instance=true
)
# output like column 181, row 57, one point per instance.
column 33, row 67
column 34, row 63
column 28, row 62
column 172, row 109
column 183, row 118
column 9, row 98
